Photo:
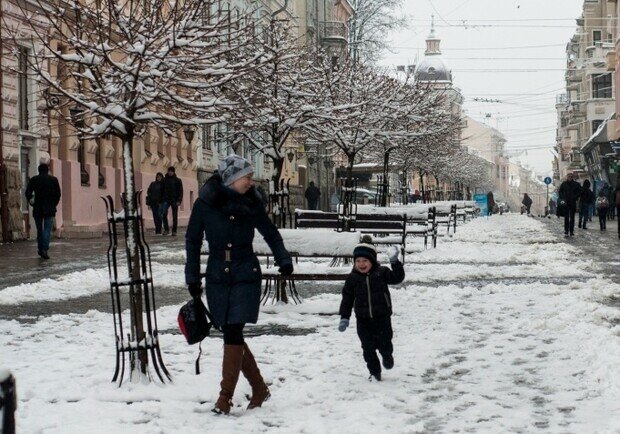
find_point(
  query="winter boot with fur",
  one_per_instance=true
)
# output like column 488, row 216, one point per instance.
column 260, row 391
column 231, row 366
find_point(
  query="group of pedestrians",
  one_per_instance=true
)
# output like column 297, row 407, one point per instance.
column 574, row 196
column 163, row 194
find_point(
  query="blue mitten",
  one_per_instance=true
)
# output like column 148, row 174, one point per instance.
column 344, row 323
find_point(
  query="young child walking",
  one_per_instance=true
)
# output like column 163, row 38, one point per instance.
column 366, row 290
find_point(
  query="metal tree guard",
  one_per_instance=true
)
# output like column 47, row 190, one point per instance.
column 347, row 213
column 132, row 345
column 280, row 204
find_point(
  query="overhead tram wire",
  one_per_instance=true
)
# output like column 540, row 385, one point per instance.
column 521, row 47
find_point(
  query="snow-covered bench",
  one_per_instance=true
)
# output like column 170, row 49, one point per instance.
column 421, row 219
column 386, row 229
column 447, row 217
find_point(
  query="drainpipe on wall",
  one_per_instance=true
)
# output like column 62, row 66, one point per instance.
column 4, row 194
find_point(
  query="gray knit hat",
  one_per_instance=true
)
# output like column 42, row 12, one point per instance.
column 234, row 167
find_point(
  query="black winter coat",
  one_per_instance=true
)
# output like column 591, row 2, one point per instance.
column 312, row 193
column 46, row 195
column 369, row 293
column 155, row 193
column 586, row 197
column 173, row 189
column 570, row 192
column 227, row 220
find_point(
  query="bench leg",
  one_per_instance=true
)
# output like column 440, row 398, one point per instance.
column 280, row 294
column 293, row 290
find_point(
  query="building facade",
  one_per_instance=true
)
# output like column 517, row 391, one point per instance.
column 24, row 122
column 589, row 101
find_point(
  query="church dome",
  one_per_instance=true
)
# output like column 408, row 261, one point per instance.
column 432, row 68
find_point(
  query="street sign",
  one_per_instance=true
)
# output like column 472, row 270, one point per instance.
column 548, row 180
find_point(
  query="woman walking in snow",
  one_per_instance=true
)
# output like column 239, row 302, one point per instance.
column 586, row 199
column 602, row 205
column 366, row 290
column 226, row 213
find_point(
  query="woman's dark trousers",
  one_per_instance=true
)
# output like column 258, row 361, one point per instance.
column 602, row 218
column 157, row 217
column 375, row 335
column 584, row 215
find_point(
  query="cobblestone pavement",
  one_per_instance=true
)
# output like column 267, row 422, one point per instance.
column 601, row 246
column 20, row 264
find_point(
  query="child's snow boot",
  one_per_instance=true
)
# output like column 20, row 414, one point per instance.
column 388, row 362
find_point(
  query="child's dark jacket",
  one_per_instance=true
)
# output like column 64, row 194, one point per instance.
column 369, row 293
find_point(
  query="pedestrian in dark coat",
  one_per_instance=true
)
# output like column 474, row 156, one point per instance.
column 227, row 212
column 527, row 203
column 366, row 290
column 490, row 203
column 602, row 206
column 46, row 191
column 154, row 199
column 617, row 201
column 173, row 196
column 312, row 196
column 586, row 200
column 569, row 193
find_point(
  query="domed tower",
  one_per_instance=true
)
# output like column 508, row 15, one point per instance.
column 432, row 68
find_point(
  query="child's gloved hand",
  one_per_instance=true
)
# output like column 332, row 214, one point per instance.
column 344, row 323
column 393, row 253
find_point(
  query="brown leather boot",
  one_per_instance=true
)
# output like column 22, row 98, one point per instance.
column 231, row 365
column 260, row 391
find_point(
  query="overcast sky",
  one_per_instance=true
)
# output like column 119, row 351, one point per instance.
column 478, row 41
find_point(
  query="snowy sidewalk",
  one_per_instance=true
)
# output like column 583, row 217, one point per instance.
column 503, row 328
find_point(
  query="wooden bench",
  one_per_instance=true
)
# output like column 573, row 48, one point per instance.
column 386, row 229
column 425, row 226
column 447, row 218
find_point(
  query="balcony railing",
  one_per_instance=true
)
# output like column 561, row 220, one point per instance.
column 334, row 31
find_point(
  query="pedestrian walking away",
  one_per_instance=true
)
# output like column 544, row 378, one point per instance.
column 366, row 291
column 312, row 195
column 43, row 193
column 611, row 196
column 568, row 195
column 527, row 203
column 172, row 198
column 602, row 205
column 154, row 199
column 490, row 203
column 586, row 201
column 227, row 212
column 617, row 200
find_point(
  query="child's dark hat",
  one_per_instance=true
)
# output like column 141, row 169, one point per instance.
column 365, row 249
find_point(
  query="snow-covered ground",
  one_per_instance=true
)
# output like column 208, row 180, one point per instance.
column 501, row 355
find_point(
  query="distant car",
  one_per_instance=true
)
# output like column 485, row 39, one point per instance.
column 364, row 195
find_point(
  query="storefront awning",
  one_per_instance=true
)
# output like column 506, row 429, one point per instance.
column 601, row 135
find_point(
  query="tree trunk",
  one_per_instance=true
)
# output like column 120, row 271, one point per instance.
column 422, row 187
column 139, row 365
column 278, row 168
column 384, row 187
